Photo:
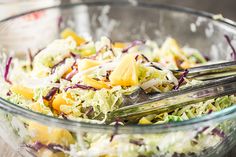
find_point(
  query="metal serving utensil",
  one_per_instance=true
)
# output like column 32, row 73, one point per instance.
column 212, row 71
column 140, row 104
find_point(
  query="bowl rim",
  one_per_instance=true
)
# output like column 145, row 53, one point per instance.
column 73, row 125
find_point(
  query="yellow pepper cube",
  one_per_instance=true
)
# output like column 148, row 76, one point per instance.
column 60, row 100
column 70, row 33
column 48, row 135
column 144, row 121
column 26, row 92
column 94, row 83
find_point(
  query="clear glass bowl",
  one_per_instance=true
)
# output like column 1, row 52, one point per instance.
column 209, row 135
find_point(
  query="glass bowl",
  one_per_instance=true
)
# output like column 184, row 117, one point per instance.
column 34, row 134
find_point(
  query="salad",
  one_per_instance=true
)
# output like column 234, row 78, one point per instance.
column 79, row 79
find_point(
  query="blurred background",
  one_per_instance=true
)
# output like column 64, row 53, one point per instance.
column 12, row 7
column 224, row 7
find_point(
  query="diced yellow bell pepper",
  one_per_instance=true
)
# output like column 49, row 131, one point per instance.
column 48, row 135
column 144, row 121
column 171, row 46
column 36, row 107
column 59, row 100
column 125, row 74
column 85, row 52
column 187, row 64
column 70, row 33
column 119, row 45
column 85, row 64
column 94, row 83
column 26, row 92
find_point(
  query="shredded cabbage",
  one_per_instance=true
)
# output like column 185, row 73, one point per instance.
column 98, row 95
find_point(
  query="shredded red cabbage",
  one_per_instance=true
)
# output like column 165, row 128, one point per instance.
column 136, row 57
column 81, row 87
column 51, row 93
column 56, row 147
column 75, row 56
column 64, row 116
column 89, row 111
column 36, row 146
column 181, row 79
column 145, row 57
column 138, row 142
column 71, row 74
column 51, row 146
column 60, row 20
column 7, row 68
column 115, row 129
column 210, row 111
column 108, row 72
column 56, row 65
column 134, row 43
column 37, row 53
column 233, row 54
column 201, row 131
column 154, row 66
column 30, row 57
column 9, row 93
column 178, row 154
column 218, row 132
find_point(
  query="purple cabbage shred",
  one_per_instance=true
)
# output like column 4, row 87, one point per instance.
column 181, row 79
column 51, row 93
column 60, row 20
column 178, row 154
column 30, row 57
column 81, row 87
column 71, row 74
column 115, row 129
column 64, row 116
column 52, row 147
column 56, row 147
column 36, row 146
column 9, row 93
column 145, row 57
column 136, row 57
column 89, row 111
column 7, row 68
column 201, row 131
column 218, row 132
column 75, row 56
column 233, row 54
column 134, row 43
column 108, row 72
column 37, row 53
column 138, row 142
column 56, row 65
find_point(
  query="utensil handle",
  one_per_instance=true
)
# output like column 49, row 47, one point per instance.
column 166, row 102
column 208, row 69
